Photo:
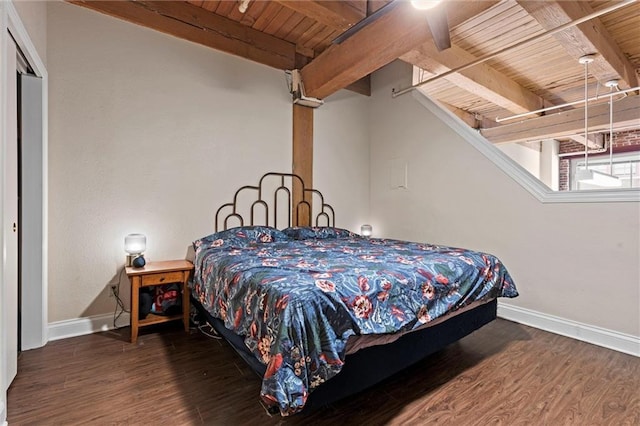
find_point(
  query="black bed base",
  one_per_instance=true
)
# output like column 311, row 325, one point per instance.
column 373, row 364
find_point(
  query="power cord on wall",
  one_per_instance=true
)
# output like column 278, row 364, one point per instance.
column 115, row 290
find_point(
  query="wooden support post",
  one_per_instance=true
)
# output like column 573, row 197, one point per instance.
column 302, row 163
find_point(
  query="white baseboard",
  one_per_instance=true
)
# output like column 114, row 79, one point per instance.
column 587, row 333
column 81, row 326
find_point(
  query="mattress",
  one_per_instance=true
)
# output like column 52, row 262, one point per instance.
column 299, row 296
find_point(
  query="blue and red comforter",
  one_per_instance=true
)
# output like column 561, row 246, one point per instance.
column 297, row 295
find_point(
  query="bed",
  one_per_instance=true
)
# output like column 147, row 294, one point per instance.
column 319, row 312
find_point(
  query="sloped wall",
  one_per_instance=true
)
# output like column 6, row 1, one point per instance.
column 575, row 261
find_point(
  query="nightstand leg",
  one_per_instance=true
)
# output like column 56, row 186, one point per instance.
column 135, row 294
column 185, row 301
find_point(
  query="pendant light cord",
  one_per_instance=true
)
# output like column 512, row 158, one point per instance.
column 586, row 116
column 611, row 132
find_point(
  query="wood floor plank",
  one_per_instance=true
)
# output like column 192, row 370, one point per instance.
column 504, row 373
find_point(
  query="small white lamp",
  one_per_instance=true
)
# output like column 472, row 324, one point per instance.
column 135, row 245
column 366, row 230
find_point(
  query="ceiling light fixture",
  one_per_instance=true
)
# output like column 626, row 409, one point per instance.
column 612, row 84
column 425, row 4
column 244, row 4
column 587, row 175
column 594, row 177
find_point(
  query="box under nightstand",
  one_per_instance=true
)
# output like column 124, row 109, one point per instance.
column 158, row 273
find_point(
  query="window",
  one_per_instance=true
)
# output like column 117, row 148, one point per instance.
column 625, row 166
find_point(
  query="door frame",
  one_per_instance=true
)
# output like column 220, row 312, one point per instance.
column 22, row 39
column 11, row 22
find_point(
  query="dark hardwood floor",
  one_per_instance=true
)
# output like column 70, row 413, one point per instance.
column 505, row 373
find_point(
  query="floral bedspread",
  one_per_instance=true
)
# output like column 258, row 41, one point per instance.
column 297, row 295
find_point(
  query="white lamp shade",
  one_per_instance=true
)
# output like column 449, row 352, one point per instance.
column 366, row 230
column 135, row 243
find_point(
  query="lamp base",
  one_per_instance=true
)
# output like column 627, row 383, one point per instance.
column 130, row 260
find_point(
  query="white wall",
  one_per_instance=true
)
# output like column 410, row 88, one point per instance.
column 526, row 156
column 538, row 158
column 149, row 133
column 33, row 14
column 341, row 157
column 550, row 163
column 575, row 261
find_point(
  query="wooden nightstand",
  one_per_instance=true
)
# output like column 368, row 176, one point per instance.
column 158, row 273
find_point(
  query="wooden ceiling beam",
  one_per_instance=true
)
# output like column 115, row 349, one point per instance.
column 395, row 33
column 475, row 121
column 481, row 80
column 568, row 123
column 196, row 24
column 362, row 86
column 340, row 15
column 583, row 39
column 595, row 140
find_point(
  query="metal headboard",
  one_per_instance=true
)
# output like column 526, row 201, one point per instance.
column 303, row 210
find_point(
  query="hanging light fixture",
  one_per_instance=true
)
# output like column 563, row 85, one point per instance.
column 587, row 175
column 612, row 84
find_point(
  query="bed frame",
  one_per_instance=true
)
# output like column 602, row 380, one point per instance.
column 367, row 366
column 287, row 185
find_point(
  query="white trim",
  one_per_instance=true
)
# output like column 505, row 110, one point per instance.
column 82, row 326
column 4, row 37
column 517, row 172
column 610, row 339
column 22, row 39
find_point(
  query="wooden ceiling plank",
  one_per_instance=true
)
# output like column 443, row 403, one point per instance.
column 310, row 34
column 377, row 44
column 322, row 43
column 589, row 37
column 340, row 15
column 196, row 24
column 300, row 29
column 278, row 21
column 568, row 123
column 225, row 7
column 481, row 80
column 288, row 26
column 267, row 15
column 254, row 11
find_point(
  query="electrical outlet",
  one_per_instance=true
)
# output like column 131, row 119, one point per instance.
column 113, row 290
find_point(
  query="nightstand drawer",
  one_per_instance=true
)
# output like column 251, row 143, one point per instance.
column 164, row 278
